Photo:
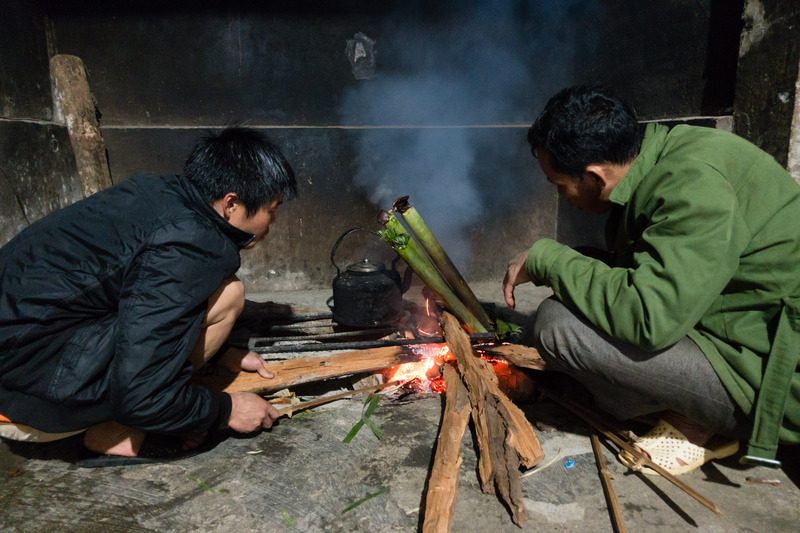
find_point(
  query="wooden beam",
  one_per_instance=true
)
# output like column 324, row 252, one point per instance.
column 440, row 500
column 74, row 105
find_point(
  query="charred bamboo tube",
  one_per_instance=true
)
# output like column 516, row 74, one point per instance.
column 440, row 258
column 397, row 236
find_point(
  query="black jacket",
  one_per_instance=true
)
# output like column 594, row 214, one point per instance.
column 101, row 303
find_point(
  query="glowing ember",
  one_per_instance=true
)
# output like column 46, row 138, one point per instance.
column 423, row 376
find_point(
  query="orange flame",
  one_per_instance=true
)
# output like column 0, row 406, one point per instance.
column 423, row 375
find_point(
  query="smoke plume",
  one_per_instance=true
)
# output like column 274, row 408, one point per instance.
column 453, row 84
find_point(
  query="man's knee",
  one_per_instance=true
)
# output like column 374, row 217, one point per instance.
column 554, row 333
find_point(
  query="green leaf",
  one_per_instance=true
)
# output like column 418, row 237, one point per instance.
column 201, row 484
column 365, row 498
column 397, row 240
column 283, row 515
column 505, row 329
column 371, row 403
column 206, row 487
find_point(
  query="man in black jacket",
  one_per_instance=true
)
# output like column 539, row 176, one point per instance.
column 106, row 306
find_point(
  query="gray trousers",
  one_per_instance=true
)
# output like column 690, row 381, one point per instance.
column 627, row 381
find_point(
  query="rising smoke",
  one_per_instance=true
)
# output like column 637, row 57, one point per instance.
column 453, row 84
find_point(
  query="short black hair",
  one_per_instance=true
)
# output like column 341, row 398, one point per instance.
column 240, row 160
column 586, row 124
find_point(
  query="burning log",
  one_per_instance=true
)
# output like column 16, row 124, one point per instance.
column 440, row 258
column 407, row 248
column 307, row 369
column 440, row 501
column 505, row 437
column 517, row 355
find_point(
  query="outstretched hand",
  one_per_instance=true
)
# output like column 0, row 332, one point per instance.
column 515, row 275
column 236, row 359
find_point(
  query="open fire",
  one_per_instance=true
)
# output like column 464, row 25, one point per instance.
column 425, row 375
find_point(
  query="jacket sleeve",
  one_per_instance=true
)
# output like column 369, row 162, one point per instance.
column 162, row 306
column 682, row 261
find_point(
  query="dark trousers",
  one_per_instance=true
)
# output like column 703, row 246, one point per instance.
column 627, row 381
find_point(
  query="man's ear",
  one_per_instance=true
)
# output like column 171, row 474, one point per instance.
column 599, row 174
column 226, row 205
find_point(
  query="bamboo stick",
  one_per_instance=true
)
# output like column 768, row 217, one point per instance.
column 397, row 236
column 440, row 258
column 608, row 489
column 440, row 500
column 586, row 416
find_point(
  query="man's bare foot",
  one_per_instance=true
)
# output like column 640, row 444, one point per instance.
column 694, row 432
column 112, row 438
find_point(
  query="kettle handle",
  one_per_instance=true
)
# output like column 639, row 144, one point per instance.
column 339, row 240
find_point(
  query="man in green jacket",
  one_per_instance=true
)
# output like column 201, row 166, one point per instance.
column 695, row 314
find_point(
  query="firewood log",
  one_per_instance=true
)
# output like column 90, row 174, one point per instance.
column 308, row 369
column 440, row 501
column 505, row 437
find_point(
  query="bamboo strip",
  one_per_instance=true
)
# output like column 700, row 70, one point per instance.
column 608, row 489
column 587, row 416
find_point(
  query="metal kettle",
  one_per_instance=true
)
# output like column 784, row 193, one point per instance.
column 366, row 294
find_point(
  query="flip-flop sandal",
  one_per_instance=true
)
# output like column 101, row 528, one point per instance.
column 672, row 451
column 154, row 450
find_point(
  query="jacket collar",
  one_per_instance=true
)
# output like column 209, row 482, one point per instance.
column 239, row 237
column 655, row 137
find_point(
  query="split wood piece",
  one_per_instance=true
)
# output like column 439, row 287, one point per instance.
column 517, row 355
column 308, row 369
column 289, row 411
column 74, row 106
column 505, row 437
column 587, row 416
column 416, row 258
column 440, row 501
column 440, row 258
column 608, row 489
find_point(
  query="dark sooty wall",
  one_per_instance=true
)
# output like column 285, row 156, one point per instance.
column 436, row 107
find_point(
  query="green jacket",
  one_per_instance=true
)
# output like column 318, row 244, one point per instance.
column 707, row 246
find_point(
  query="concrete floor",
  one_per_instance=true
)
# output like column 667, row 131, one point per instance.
column 300, row 476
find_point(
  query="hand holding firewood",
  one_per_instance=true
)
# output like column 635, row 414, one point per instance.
column 516, row 274
column 250, row 412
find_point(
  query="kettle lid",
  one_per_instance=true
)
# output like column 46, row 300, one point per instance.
column 365, row 265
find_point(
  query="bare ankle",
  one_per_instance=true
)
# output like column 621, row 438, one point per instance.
column 112, row 438
column 694, row 432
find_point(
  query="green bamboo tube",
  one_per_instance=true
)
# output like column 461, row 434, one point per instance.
column 440, row 258
column 397, row 236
